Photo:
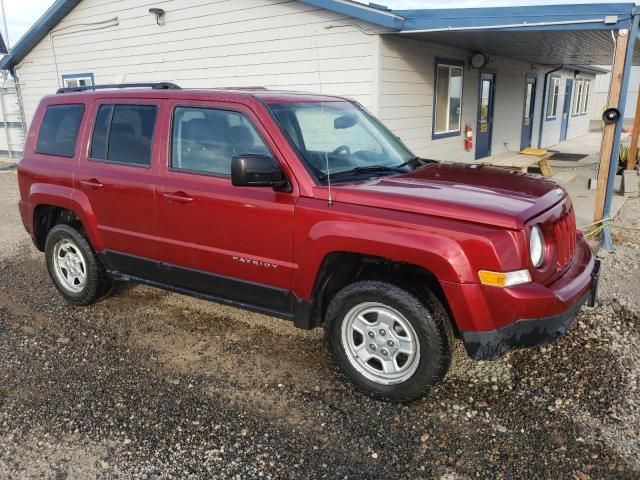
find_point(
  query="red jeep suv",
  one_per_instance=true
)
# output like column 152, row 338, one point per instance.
column 303, row 207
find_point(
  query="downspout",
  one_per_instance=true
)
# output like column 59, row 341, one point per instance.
column 545, row 99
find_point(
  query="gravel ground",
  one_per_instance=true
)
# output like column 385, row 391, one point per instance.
column 149, row 384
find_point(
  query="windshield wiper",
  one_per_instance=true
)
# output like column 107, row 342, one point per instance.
column 415, row 162
column 363, row 170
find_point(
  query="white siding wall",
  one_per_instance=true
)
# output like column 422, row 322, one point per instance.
column 280, row 44
column 406, row 96
column 602, row 95
column 406, row 99
column 578, row 125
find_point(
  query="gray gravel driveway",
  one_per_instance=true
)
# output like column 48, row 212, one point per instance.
column 150, row 384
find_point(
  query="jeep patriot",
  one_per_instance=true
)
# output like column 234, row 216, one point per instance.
column 307, row 208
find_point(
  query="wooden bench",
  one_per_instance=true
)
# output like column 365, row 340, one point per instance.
column 521, row 161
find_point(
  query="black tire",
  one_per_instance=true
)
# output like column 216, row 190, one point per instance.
column 97, row 284
column 427, row 317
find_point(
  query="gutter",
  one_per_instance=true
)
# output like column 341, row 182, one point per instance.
column 545, row 99
column 612, row 20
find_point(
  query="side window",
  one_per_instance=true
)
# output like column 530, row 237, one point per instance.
column 448, row 99
column 205, row 140
column 552, row 98
column 124, row 134
column 59, row 130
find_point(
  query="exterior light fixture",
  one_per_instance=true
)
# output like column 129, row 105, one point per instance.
column 159, row 13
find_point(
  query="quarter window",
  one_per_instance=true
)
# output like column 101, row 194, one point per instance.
column 59, row 130
column 205, row 140
column 552, row 100
column 448, row 99
column 124, row 134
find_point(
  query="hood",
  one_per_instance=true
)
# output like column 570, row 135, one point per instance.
column 475, row 193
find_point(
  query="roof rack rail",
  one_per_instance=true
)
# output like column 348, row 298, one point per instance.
column 154, row 86
column 241, row 88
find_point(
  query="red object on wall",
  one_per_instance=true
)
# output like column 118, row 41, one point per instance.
column 468, row 138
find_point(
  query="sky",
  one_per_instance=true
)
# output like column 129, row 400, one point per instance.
column 21, row 14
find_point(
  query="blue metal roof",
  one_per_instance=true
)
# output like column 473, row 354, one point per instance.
column 541, row 17
column 428, row 24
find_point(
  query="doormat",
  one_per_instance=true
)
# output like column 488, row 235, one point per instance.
column 567, row 157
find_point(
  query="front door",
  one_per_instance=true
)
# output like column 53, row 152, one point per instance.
column 485, row 115
column 231, row 243
column 527, row 114
column 565, row 110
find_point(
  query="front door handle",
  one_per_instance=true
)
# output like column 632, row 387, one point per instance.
column 179, row 197
column 91, row 183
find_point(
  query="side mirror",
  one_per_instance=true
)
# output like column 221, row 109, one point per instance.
column 258, row 171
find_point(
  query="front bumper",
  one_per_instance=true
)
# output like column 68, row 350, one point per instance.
column 493, row 321
column 523, row 333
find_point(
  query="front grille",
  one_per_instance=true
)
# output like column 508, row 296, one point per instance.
column 565, row 235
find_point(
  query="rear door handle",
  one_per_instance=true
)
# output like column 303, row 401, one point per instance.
column 91, row 183
column 179, row 197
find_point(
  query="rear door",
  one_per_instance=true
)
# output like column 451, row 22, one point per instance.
column 118, row 172
column 233, row 243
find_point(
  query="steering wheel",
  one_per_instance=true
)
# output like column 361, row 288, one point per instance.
column 344, row 149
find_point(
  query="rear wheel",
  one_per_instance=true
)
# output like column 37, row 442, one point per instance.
column 389, row 342
column 74, row 267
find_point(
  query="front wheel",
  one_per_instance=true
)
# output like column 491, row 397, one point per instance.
column 389, row 342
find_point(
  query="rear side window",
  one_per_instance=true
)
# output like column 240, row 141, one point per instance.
column 124, row 134
column 59, row 130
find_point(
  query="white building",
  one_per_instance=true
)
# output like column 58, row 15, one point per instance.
column 514, row 76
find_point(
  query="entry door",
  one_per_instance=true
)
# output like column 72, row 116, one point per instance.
column 565, row 110
column 527, row 114
column 485, row 115
column 233, row 243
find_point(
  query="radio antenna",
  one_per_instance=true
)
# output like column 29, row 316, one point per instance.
column 324, row 119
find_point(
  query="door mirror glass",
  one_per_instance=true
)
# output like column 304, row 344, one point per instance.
column 258, row 171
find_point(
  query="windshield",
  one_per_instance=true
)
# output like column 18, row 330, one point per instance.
column 340, row 138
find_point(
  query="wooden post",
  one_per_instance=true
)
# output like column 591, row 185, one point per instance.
column 609, row 129
column 635, row 133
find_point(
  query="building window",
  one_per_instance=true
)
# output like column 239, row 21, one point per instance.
column 552, row 98
column 78, row 80
column 124, row 134
column 584, row 106
column 447, row 112
column 59, row 130
column 578, row 98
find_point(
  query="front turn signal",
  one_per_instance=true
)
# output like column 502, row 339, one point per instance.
column 504, row 279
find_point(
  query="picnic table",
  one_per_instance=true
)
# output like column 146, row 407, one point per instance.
column 522, row 160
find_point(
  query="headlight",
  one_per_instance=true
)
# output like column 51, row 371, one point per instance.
column 536, row 246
